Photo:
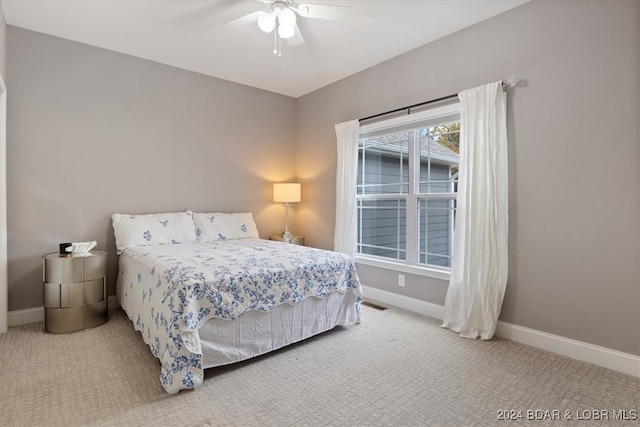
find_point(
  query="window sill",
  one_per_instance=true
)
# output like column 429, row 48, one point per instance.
column 399, row 266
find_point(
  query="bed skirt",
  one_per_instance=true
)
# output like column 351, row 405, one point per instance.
column 256, row 333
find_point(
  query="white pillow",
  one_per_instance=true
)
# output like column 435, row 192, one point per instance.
column 212, row 227
column 153, row 229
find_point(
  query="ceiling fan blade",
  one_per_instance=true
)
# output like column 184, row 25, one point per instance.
column 297, row 38
column 323, row 11
column 244, row 20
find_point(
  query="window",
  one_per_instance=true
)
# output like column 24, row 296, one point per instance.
column 406, row 190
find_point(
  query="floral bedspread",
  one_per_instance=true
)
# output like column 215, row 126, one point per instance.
column 171, row 290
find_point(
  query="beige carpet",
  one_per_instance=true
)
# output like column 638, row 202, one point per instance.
column 395, row 369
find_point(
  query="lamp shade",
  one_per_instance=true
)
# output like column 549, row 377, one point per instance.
column 287, row 17
column 267, row 22
column 286, row 192
column 286, row 31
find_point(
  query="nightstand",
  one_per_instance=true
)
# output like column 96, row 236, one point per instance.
column 296, row 240
column 75, row 291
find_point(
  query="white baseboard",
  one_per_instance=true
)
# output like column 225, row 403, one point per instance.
column 602, row 356
column 585, row 352
column 412, row 304
column 36, row 314
column 27, row 315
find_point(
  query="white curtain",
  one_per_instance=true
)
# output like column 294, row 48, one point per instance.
column 344, row 238
column 480, row 264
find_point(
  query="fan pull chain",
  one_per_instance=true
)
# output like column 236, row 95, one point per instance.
column 277, row 43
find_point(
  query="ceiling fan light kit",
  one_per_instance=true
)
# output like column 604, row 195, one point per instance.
column 287, row 18
column 286, row 32
column 282, row 17
column 267, row 22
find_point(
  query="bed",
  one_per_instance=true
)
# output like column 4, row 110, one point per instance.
column 204, row 290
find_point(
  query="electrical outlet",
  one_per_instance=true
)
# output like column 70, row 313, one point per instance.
column 401, row 280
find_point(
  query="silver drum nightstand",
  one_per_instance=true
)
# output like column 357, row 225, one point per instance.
column 296, row 240
column 75, row 291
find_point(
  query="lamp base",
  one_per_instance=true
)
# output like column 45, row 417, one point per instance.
column 287, row 236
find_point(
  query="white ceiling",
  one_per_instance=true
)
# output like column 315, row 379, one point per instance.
column 190, row 34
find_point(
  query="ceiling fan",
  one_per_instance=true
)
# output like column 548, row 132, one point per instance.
column 280, row 17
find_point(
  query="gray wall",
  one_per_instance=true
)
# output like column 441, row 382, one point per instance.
column 92, row 132
column 574, row 158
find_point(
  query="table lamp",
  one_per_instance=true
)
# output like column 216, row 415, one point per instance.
column 286, row 192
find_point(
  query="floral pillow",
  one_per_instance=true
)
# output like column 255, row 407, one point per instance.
column 212, row 227
column 152, row 229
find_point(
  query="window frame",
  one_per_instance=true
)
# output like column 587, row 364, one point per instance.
column 425, row 118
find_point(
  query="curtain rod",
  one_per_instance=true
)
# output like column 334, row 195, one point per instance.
column 408, row 108
column 510, row 82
